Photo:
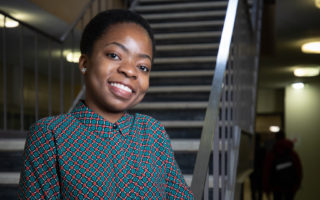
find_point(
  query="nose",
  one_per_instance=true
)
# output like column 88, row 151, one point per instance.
column 128, row 69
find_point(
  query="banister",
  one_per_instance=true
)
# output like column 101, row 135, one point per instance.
column 211, row 117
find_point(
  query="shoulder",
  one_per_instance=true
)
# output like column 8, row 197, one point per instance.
column 147, row 121
column 150, row 125
column 50, row 123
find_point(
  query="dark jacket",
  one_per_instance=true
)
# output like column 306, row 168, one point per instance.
column 283, row 149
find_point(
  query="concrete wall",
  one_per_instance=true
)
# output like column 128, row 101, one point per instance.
column 302, row 122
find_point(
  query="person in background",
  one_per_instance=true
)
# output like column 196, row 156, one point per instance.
column 99, row 150
column 282, row 173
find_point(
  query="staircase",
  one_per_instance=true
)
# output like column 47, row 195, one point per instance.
column 187, row 34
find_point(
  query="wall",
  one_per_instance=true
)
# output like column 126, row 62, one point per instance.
column 302, row 121
column 270, row 101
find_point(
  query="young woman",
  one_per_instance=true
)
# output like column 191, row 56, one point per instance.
column 99, row 151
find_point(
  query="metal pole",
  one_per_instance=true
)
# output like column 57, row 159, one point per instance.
column 49, row 80
column 36, row 77
column 61, row 79
column 72, row 67
column 21, row 80
column 4, row 63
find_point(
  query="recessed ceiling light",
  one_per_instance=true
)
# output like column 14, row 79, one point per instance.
column 274, row 129
column 73, row 57
column 10, row 23
column 307, row 72
column 297, row 86
column 311, row 47
column 317, row 3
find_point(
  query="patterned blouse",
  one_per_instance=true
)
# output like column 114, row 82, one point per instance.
column 80, row 155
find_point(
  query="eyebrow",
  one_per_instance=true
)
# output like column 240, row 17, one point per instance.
column 127, row 50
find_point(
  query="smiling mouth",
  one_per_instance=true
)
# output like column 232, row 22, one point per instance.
column 122, row 87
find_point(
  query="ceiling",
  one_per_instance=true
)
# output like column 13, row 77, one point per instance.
column 295, row 22
column 287, row 24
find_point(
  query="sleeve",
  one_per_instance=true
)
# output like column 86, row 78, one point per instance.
column 176, row 185
column 39, row 178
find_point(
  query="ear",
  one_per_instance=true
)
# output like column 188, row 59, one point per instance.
column 83, row 62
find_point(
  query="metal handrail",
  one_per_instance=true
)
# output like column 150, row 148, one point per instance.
column 209, row 133
column 206, row 142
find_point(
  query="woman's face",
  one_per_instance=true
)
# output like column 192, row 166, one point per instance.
column 118, row 69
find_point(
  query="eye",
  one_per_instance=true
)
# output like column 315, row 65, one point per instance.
column 113, row 56
column 144, row 68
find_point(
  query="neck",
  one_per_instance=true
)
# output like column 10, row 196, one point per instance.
column 109, row 116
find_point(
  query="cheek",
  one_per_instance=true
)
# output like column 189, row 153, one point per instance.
column 145, row 84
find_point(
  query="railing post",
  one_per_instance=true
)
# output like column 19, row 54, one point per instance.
column 4, row 65
column 21, row 80
column 49, row 80
column 61, row 80
column 36, row 77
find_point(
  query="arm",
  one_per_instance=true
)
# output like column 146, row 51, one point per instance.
column 176, row 185
column 39, row 178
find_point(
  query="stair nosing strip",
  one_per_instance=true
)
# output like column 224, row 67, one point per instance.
column 182, row 5
column 171, row 105
column 181, row 73
column 163, row 36
column 183, row 88
column 187, row 47
column 184, row 15
column 9, row 178
column 187, row 24
column 189, row 59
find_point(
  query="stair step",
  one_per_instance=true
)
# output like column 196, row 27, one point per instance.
column 187, row 24
column 191, row 88
column 182, row 124
column 172, row 105
column 9, row 178
column 184, row 15
column 188, row 179
column 183, row 5
column 182, row 47
column 163, row 36
column 193, row 59
column 185, row 145
column 12, row 144
column 181, row 73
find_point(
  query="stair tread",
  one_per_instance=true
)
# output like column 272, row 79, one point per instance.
column 172, row 105
column 182, row 5
column 184, row 15
column 181, row 73
column 187, row 24
column 187, row 59
column 183, row 88
column 161, row 36
column 187, row 47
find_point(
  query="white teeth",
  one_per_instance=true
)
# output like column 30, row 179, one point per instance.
column 123, row 87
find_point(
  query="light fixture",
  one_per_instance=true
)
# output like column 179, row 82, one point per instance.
column 73, row 57
column 307, row 72
column 274, row 129
column 10, row 23
column 311, row 47
column 317, row 3
column 298, row 86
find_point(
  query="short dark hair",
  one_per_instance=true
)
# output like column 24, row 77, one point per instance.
column 104, row 20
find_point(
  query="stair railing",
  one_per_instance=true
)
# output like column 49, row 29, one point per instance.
column 47, row 84
column 232, row 97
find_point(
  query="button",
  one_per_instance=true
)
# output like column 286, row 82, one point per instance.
column 115, row 126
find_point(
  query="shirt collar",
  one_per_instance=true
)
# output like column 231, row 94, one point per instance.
column 97, row 123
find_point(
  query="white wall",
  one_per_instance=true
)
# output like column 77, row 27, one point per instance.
column 302, row 121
